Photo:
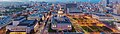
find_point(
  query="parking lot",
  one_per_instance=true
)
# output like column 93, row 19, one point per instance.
column 89, row 25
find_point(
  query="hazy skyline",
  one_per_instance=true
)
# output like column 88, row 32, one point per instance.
column 49, row 0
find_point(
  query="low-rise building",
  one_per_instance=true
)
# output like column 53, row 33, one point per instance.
column 116, row 9
column 103, row 17
column 74, row 11
column 24, row 27
column 17, row 20
column 60, row 23
column 4, row 20
column 35, row 17
column 116, row 17
column 2, row 9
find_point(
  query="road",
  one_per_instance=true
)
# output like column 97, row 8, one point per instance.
column 44, row 29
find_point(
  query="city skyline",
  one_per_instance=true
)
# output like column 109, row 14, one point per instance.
column 49, row 0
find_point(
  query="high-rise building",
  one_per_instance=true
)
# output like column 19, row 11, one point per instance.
column 104, row 2
column 107, row 1
column 116, row 9
column 113, row 1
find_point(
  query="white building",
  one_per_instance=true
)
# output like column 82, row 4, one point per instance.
column 115, row 1
column 2, row 9
column 21, row 25
column 103, row 17
column 104, row 2
column 60, row 13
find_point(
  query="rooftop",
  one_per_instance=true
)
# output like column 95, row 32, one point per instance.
column 18, row 12
column 27, row 23
column 71, row 5
column 74, row 10
column 116, row 14
column 62, row 19
column 4, row 21
column 19, row 18
column 73, row 33
column 104, row 15
column 33, row 15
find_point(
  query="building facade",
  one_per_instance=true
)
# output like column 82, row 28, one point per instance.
column 116, row 9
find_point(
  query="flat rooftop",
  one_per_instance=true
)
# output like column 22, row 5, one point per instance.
column 74, row 10
column 3, row 17
column 18, row 12
column 104, row 15
column 71, row 5
column 18, row 18
column 4, row 20
column 33, row 15
column 116, row 14
column 27, row 23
